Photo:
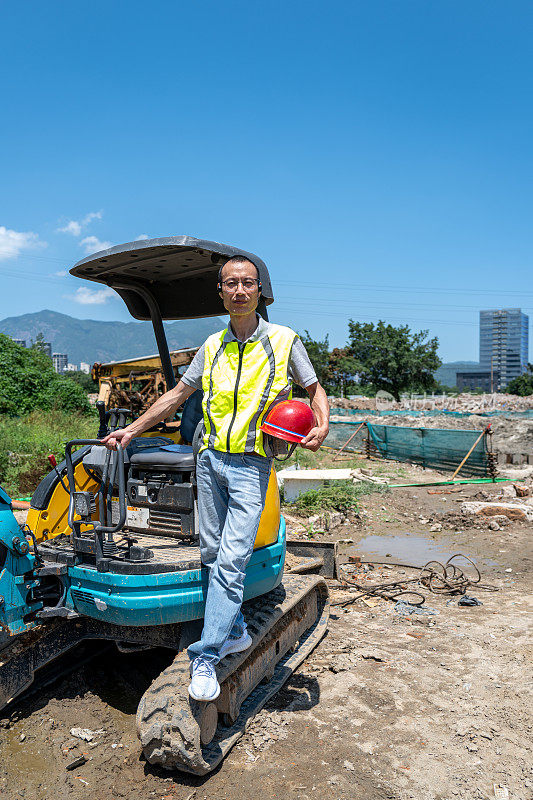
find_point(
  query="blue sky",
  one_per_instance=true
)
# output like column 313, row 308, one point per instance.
column 376, row 155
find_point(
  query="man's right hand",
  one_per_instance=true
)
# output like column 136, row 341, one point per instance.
column 123, row 435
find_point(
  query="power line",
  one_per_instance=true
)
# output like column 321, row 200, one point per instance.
column 379, row 303
column 292, row 310
column 356, row 286
column 33, row 276
column 10, row 254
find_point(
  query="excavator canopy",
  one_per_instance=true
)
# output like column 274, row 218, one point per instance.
column 178, row 274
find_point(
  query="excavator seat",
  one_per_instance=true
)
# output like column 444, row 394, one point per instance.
column 176, row 457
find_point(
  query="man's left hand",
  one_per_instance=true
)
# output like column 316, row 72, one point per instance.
column 314, row 438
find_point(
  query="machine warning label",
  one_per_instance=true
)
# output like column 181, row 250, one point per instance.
column 135, row 517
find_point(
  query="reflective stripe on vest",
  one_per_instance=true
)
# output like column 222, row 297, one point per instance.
column 241, row 382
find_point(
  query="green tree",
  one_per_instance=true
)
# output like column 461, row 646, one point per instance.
column 523, row 384
column 318, row 352
column 442, row 387
column 393, row 358
column 28, row 381
column 342, row 371
column 83, row 379
column 39, row 344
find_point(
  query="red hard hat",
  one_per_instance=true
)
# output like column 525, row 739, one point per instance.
column 290, row 420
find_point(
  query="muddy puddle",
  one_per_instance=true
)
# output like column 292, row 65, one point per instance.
column 28, row 760
column 408, row 548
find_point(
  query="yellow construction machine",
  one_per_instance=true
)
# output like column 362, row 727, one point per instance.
column 136, row 383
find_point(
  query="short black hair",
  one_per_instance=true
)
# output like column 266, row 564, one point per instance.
column 237, row 260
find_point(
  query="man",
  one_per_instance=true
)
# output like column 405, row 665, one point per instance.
column 243, row 371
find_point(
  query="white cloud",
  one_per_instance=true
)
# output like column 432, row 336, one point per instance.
column 141, row 237
column 72, row 227
column 75, row 226
column 62, row 273
column 12, row 243
column 92, row 297
column 92, row 244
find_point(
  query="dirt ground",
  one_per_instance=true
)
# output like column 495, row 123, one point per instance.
column 389, row 705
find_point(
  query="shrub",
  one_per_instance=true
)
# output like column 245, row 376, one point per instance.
column 339, row 496
column 28, row 382
column 25, row 443
column 523, row 384
column 85, row 381
column 66, row 395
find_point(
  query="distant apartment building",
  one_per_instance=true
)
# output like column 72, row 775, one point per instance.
column 85, row 367
column 47, row 349
column 60, row 361
column 503, row 344
column 478, row 378
column 22, row 342
column 72, row 368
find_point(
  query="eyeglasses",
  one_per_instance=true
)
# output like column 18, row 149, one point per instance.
column 247, row 283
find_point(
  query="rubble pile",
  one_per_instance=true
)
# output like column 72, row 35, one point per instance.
column 368, row 403
column 265, row 729
column 360, row 475
column 471, row 403
column 318, row 523
column 466, row 402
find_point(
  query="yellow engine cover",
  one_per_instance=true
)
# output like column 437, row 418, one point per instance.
column 53, row 521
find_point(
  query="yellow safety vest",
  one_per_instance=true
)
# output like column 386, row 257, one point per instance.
column 241, row 382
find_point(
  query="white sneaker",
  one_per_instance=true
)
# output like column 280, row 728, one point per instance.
column 236, row 645
column 204, row 684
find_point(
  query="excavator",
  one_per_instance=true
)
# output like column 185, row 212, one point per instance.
column 136, row 383
column 110, row 550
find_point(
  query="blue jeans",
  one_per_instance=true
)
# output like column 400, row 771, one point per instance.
column 231, row 496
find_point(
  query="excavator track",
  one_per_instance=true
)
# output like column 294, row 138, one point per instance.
column 178, row 732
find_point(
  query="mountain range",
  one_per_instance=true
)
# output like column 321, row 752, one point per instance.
column 92, row 340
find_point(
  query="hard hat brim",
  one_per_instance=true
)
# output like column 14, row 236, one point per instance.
column 282, row 433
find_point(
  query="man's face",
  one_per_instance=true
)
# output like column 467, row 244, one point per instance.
column 239, row 300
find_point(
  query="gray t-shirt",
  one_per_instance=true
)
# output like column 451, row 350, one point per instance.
column 301, row 371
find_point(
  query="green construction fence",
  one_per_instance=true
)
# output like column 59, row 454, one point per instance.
column 437, row 448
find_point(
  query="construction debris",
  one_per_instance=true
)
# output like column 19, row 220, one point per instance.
column 517, row 473
column 78, row 762
column 356, row 402
column 487, row 509
column 360, row 475
column 85, row 733
column 267, row 728
column 465, row 402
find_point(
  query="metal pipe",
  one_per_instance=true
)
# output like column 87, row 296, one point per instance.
column 455, row 482
column 465, row 459
column 349, row 440
column 121, row 484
